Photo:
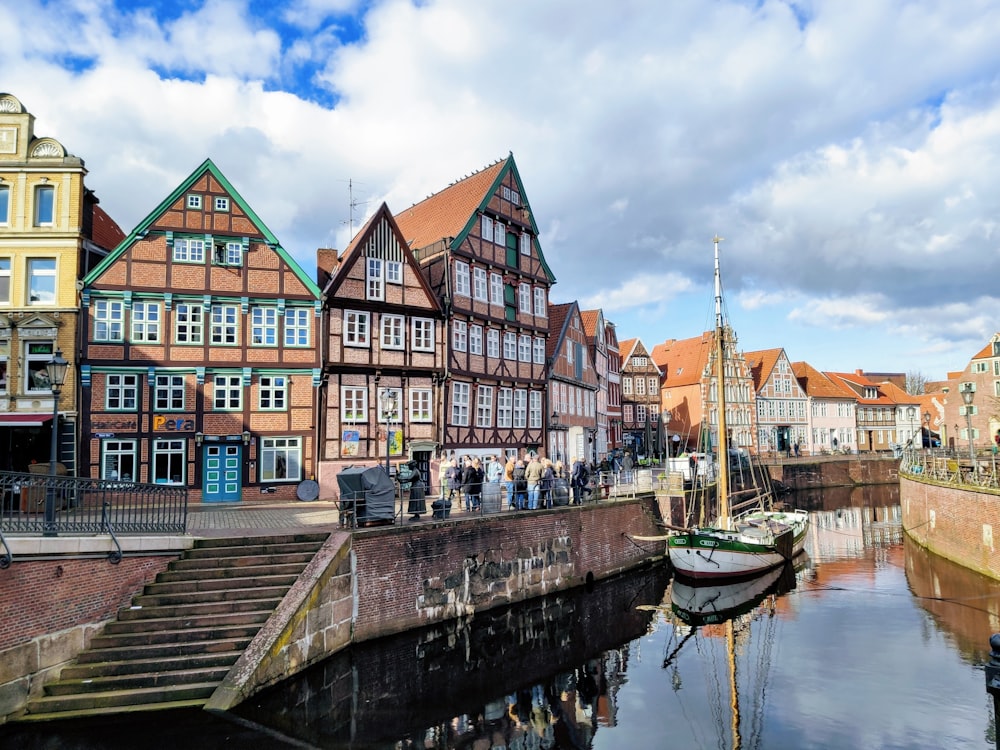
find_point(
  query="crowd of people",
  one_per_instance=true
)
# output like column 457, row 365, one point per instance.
column 529, row 482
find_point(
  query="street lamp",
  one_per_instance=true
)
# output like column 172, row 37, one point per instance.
column 56, row 370
column 968, row 394
column 665, row 416
column 387, row 404
column 927, row 422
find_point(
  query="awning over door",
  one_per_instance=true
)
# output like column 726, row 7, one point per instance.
column 24, row 420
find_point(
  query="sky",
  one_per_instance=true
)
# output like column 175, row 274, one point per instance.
column 847, row 150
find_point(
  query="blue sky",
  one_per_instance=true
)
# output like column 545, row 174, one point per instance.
column 846, row 149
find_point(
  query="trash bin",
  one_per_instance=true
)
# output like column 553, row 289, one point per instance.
column 493, row 495
column 560, row 492
column 33, row 496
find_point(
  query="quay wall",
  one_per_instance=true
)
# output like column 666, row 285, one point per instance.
column 845, row 471
column 449, row 569
column 953, row 522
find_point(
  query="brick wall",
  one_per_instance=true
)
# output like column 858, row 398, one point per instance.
column 952, row 522
column 450, row 568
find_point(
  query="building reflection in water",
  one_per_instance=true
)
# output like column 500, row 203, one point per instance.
column 483, row 682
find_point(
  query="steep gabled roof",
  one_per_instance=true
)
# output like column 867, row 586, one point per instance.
column 626, row 347
column 452, row 213
column 381, row 218
column 683, row 362
column 897, row 394
column 590, row 320
column 559, row 317
column 105, row 231
column 818, row 385
column 206, row 167
column 762, row 364
column 856, row 383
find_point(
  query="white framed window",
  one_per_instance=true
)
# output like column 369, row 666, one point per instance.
column 524, row 297
column 640, row 413
column 420, row 405
column 273, row 393
column 393, row 332
column 479, row 286
column 227, row 395
column 505, row 408
column 280, row 459
column 264, row 326
column 496, row 289
column 221, row 203
column 45, row 205
column 510, row 345
column 524, row 241
column 146, row 322
column 4, row 204
column 36, row 355
column 484, row 406
column 540, row 310
column 486, row 228
column 520, row 409
column 461, row 278
column 109, row 320
column 169, row 461
column 353, row 404
column 423, row 334
column 168, row 393
column 229, row 253
column 654, row 386
column 357, row 328
column 121, row 392
column 475, row 339
column 640, row 386
column 492, row 343
column 499, row 233
column 459, row 335
column 393, row 272
column 41, row 281
column 225, row 325
column 4, row 281
column 118, row 460
column 626, row 386
column 375, row 281
column 570, row 348
column 193, row 201
column 189, row 250
column 460, row 404
column 538, row 351
column 524, row 348
column 189, row 323
column 535, row 410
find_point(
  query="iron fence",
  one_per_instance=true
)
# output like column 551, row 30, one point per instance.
column 90, row 506
column 952, row 467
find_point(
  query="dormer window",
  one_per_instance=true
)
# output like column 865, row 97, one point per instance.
column 222, row 204
column 194, row 201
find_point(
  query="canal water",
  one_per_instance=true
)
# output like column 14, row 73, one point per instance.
column 869, row 642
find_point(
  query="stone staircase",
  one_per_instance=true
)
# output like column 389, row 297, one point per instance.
column 175, row 644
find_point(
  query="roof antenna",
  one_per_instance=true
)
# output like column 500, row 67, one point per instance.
column 352, row 204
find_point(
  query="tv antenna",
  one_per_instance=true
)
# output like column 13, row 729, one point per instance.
column 352, row 204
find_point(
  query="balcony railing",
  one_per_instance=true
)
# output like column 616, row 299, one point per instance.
column 952, row 467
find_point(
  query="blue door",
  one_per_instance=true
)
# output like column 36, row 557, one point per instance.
column 220, row 477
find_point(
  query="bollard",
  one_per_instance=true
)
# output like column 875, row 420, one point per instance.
column 993, row 681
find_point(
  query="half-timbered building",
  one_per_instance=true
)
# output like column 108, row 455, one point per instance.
column 782, row 404
column 477, row 245
column 386, row 339
column 640, row 397
column 597, row 329
column 573, row 385
column 201, row 352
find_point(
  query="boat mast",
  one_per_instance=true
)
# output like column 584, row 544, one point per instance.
column 720, row 399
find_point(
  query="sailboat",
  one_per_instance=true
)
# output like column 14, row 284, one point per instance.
column 754, row 541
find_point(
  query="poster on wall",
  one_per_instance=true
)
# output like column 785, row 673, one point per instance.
column 349, row 443
column 395, row 442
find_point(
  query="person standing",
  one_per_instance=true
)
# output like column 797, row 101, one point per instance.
column 520, row 486
column 547, row 483
column 443, row 468
column 508, row 476
column 578, row 479
column 533, row 473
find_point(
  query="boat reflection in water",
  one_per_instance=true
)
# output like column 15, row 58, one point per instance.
column 712, row 602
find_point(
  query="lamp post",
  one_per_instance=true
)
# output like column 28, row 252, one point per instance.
column 927, row 422
column 968, row 395
column 387, row 404
column 553, row 427
column 665, row 416
column 55, row 368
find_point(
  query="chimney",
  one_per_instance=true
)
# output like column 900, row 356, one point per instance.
column 326, row 263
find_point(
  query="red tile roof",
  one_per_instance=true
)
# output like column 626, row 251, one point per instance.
column 557, row 319
column 683, row 362
column 590, row 319
column 761, row 365
column 818, row 385
column 446, row 213
column 106, row 232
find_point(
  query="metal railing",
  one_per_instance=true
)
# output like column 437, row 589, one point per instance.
column 90, row 506
column 952, row 467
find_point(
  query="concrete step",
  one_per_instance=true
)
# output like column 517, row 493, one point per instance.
column 219, row 584
column 200, row 691
column 196, row 608
column 258, row 617
column 110, row 711
column 144, row 637
column 160, row 650
column 240, row 561
column 251, row 550
column 201, row 597
column 312, row 537
column 134, row 681
column 232, row 571
column 145, row 666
